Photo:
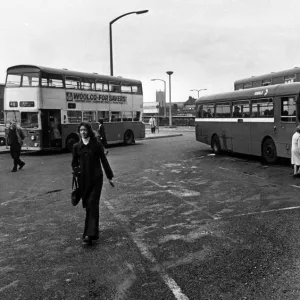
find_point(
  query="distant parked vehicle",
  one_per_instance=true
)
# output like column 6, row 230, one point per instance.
column 2, row 135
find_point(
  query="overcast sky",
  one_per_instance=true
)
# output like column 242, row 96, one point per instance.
column 206, row 43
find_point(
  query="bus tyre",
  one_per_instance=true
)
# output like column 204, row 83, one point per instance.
column 2, row 141
column 215, row 144
column 269, row 152
column 71, row 140
column 128, row 137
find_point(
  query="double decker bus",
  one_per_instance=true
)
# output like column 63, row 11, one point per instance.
column 285, row 76
column 49, row 104
column 258, row 121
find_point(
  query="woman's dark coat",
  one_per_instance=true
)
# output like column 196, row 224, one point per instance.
column 86, row 164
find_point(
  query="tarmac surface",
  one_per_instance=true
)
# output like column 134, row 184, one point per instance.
column 180, row 224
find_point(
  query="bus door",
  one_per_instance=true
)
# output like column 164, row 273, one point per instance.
column 285, row 128
column 51, row 128
column 240, row 127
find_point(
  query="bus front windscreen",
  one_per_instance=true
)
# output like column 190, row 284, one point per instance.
column 12, row 116
column 29, row 119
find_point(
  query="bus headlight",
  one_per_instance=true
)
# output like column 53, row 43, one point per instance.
column 36, row 144
column 32, row 137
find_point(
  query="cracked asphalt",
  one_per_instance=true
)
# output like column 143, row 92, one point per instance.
column 181, row 223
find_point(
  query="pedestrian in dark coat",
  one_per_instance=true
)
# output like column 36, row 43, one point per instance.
column 15, row 140
column 87, row 154
column 102, row 135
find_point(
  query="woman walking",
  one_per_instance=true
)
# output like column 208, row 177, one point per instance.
column 295, row 155
column 87, row 154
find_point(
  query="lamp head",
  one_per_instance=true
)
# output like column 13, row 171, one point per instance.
column 141, row 12
column 170, row 72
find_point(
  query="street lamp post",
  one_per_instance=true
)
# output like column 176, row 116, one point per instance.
column 170, row 108
column 165, row 108
column 199, row 91
column 110, row 35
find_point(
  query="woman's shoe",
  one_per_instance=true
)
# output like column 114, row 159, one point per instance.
column 88, row 240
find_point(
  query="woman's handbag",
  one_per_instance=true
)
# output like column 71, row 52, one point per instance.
column 75, row 195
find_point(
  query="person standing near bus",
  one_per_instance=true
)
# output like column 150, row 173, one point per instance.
column 152, row 123
column 102, row 135
column 87, row 162
column 15, row 141
column 295, row 155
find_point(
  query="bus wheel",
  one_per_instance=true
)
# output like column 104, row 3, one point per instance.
column 2, row 141
column 128, row 137
column 71, row 140
column 215, row 144
column 269, row 152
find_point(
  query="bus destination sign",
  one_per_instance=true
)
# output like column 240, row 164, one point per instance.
column 93, row 97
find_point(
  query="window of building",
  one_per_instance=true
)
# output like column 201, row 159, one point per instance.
column 13, row 80
column 52, row 80
column 89, row 116
column 72, row 82
column 288, row 109
column 74, row 116
column 223, row 110
column 241, row 109
column 31, row 79
column 262, row 108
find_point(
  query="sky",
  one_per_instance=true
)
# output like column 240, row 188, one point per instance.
column 208, row 44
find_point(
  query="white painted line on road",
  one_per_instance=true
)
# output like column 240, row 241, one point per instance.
column 261, row 212
column 170, row 282
column 296, row 186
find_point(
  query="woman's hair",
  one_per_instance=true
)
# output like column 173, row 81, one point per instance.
column 298, row 128
column 89, row 128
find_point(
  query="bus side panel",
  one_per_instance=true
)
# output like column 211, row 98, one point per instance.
column 225, row 135
column 201, row 131
column 138, row 129
column 114, row 131
column 258, row 131
column 240, row 132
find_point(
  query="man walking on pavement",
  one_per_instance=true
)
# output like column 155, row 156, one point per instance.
column 15, row 140
column 152, row 123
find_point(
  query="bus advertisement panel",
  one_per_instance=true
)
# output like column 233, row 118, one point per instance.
column 50, row 103
column 258, row 121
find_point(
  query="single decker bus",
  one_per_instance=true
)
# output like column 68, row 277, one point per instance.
column 49, row 104
column 258, row 121
column 285, row 76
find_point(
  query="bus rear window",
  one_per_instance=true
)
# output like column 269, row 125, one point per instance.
column 13, row 80
column 30, row 79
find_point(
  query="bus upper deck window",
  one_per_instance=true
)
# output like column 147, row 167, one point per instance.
column 31, row 79
column 13, row 80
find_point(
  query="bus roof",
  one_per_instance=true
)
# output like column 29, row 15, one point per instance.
column 269, row 75
column 259, row 92
column 65, row 72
